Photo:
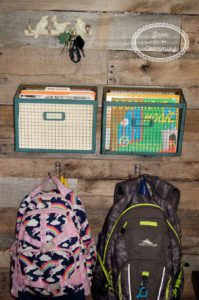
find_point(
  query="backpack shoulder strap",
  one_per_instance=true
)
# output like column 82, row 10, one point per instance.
column 21, row 212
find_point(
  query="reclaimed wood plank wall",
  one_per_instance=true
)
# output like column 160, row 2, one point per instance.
column 108, row 60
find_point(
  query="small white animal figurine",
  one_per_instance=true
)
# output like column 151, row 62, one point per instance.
column 40, row 29
column 59, row 27
column 43, row 28
column 80, row 27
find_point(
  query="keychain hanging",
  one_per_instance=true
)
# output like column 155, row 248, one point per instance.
column 73, row 44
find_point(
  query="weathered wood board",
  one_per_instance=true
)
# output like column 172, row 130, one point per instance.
column 189, row 153
column 190, row 24
column 9, row 82
column 189, row 225
column 125, row 67
column 43, row 62
column 95, row 194
column 99, row 169
column 109, row 30
column 136, row 6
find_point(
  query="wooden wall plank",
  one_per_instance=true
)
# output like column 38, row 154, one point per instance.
column 125, row 67
column 95, row 194
column 44, row 62
column 191, row 126
column 193, row 43
column 189, row 152
column 109, row 30
column 4, row 280
column 189, row 226
column 188, row 219
column 152, row 6
column 188, row 288
column 192, row 95
column 5, row 296
column 191, row 259
column 190, row 24
column 9, row 84
column 99, row 169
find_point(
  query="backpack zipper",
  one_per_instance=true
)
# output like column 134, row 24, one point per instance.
column 129, row 283
column 129, row 279
column 161, row 284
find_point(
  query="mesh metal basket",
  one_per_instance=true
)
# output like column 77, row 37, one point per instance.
column 147, row 126
column 55, row 125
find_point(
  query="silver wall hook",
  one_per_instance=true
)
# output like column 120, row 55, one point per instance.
column 138, row 169
column 57, row 169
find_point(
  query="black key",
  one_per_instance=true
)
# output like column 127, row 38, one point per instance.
column 79, row 43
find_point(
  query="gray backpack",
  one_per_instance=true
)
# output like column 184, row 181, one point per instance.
column 139, row 248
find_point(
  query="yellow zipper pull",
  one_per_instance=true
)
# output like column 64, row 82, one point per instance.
column 64, row 181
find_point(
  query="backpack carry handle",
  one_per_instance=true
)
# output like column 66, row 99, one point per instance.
column 63, row 190
column 143, row 189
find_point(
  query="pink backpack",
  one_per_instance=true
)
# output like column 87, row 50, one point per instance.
column 54, row 253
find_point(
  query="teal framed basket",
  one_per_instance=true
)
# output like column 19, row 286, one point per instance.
column 143, row 121
column 55, row 124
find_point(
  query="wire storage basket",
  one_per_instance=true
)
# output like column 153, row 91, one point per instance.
column 55, row 119
column 143, row 121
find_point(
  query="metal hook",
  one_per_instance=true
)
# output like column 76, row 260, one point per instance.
column 138, row 169
column 57, row 170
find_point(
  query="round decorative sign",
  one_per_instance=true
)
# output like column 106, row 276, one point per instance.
column 139, row 52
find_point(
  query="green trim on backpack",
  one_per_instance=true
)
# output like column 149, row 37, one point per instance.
column 145, row 273
column 178, row 283
column 105, row 271
column 148, row 223
column 119, row 286
column 173, row 231
column 125, row 224
column 167, row 289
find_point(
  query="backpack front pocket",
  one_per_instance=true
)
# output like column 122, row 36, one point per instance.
column 144, row 238
column 142, row 280
column 51, row 271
